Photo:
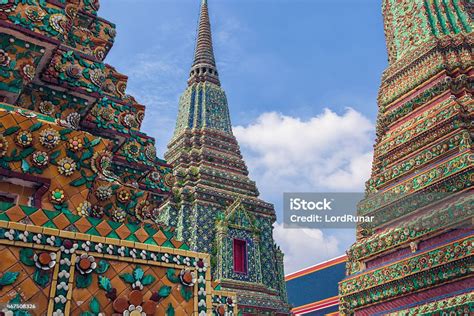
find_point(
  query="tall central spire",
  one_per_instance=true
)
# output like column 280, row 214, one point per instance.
column 204, row 65
column 214, row 195
column 203, row 105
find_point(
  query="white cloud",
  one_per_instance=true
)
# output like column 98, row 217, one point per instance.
column 327, row 152
column 304, row 247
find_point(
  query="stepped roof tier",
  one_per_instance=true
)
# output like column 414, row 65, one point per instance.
column 53, row 70
column 80, row 183
column 215, row 205
column 415, row 257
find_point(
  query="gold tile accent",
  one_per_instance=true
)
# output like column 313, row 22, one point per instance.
column 34, row 229
column 111, row 257
column 82, row 236
column 112, row 241
column 67, row 310
column 56, row 267
column 7, row 242
column 18, row 226
column 50, row 248
column 51, row 306
column 24, row 244
column 97, row 239
column 66, row 234
column 127, row 243
column 54, row 282
column 69, row 294
column 153, row 248
column 50, row 231
column 171, row 251
column 72, row 271
column 141, row 246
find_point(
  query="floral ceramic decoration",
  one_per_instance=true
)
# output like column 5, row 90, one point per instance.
column 24, row 139
column 84, row 208
column 40, row 159
column 103, row 192
column 49, row 138
column 67, row 166
column 75, row 144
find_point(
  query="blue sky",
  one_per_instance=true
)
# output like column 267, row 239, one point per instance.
column 301, row 77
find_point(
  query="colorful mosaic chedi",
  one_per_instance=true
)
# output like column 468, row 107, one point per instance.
column 80, row 185
column 215, row 206
column 416, row 258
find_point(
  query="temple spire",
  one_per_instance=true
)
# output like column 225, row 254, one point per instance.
column 204, row 65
